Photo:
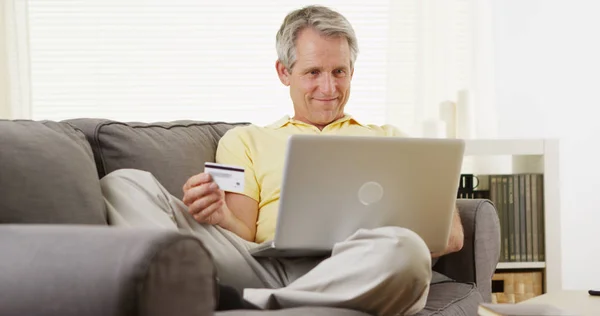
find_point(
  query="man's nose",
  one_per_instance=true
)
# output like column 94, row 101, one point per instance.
column 327, row 85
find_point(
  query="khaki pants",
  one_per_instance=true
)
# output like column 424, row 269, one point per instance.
column 384, row 271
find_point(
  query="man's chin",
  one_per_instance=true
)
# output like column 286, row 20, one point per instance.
column 326, row 118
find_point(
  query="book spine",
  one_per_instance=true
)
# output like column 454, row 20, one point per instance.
column 528, row 219
column 511, row 218
column 523, row 217
column 534, row 218
column 517, row 217
column 505, row 212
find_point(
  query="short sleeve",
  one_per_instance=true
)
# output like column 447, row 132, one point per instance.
column 233, row 149
column 391, row 130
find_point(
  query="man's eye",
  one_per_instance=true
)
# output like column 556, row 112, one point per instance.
column 314, row 72
column 340, row 72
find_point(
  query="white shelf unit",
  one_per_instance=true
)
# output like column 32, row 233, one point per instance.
column 521, row 265
column 509, row 156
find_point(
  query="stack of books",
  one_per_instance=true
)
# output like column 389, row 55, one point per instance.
column 519, row 200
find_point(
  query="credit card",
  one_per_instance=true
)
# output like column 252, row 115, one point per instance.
column 228, row 178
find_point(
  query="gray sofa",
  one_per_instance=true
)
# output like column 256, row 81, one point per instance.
column 59, row 256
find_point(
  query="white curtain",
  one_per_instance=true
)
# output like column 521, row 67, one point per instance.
column 183, row 59
column 157, row 60
column 440, row 49
column 14, row 60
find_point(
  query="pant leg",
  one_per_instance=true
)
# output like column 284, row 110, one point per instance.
column 383, row 271
column 134, row 198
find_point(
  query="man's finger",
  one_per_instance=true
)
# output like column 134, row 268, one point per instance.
column 196, row 181
column 198, row 192
column 204, row 215
column 203, row 203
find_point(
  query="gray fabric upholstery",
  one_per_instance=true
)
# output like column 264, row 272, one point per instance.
column 300, row 311
column 445, row 299
column 452, row 299
column 47, row 175
column 172, row 151
column 74, row 270
column 477, row 261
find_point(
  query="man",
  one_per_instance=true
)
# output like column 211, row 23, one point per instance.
column 384, row 271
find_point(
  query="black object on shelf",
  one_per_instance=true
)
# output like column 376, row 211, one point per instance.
column 467, row 188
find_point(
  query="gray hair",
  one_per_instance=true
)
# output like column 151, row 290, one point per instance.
column 327, row 22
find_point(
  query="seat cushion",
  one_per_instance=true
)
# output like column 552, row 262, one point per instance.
column 452, row 299
column 47, row 175
column 299, row 311
column 447, row 298
column 171, row 151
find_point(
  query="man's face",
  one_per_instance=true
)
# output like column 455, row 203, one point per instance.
column 320, row 79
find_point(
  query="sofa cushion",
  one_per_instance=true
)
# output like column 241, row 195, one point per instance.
column 452, row 299
column 297, row 311
column 171, row 151
column 445, row 299
column 47, row 175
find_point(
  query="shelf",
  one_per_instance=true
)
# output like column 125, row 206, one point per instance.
column 521, row 265
column 478, row 147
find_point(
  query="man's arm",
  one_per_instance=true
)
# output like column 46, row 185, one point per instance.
column 456, row 239
column 244, row 214
column 235, row 148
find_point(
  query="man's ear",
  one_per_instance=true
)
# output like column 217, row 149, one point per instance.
column 283, row 73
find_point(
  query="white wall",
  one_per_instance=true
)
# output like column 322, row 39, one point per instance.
column 547, row 76
column 4, row 88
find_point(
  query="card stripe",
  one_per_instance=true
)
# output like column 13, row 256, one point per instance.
column 211, row 166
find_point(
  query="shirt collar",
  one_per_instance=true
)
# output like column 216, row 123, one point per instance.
column 288, row 120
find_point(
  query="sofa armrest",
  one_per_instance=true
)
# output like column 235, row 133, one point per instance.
column 73, row 270
column 477, row 261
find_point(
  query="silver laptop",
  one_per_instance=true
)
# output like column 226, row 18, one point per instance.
column 334, row 185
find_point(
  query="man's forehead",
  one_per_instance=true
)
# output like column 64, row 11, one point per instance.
column 323, row 57
column 308, row 64
column 323, row 60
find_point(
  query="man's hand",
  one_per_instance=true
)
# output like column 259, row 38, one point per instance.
column 209, row 205
column 456, row 239
column 205, row 201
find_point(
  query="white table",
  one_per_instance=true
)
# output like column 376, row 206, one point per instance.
column 576, row 301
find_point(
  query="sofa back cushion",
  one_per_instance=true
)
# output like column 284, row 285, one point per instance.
column 47, row 175
column 171, row 151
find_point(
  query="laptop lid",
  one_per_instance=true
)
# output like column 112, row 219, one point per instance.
column 334, row 185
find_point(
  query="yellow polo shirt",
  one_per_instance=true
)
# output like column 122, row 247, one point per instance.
column 261, row 151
